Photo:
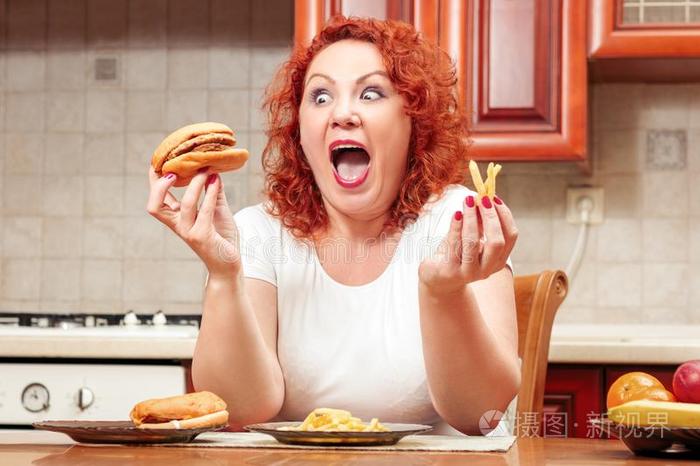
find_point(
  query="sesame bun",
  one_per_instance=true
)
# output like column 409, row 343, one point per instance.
column 185, row 151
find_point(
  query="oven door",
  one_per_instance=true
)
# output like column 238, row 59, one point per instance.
column 38, row 391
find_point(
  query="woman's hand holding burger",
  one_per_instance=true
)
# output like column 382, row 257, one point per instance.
column 192, row 156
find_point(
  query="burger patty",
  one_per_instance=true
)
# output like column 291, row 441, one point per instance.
column 205, row 143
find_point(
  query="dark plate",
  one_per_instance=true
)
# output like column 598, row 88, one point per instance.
column 119, row 432
column 345, row 439
column 655, row 441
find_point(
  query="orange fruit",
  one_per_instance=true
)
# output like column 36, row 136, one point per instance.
column 637, row 386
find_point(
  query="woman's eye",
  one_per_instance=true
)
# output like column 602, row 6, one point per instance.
column 371, row 94
column 320, row 98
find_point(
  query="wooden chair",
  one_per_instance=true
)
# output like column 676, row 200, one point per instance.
column 537, row 299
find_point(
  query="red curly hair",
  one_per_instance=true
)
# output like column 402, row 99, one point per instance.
column 425, row 77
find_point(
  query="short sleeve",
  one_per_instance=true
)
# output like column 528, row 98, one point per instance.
column 445, row 207
column 257, row 240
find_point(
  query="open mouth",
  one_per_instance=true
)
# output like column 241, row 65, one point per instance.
column 350, row 162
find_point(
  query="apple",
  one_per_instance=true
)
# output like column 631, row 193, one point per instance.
column 686, row 382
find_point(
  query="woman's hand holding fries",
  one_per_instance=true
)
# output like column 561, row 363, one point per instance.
column 480, row 239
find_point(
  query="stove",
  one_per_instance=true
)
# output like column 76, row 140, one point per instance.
column 36, row 389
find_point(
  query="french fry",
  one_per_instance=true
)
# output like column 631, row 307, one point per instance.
column 484, row 188
column 327, row 419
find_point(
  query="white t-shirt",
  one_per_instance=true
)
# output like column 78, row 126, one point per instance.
column 350, row 347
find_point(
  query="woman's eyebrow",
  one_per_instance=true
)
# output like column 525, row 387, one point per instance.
column 358, row 80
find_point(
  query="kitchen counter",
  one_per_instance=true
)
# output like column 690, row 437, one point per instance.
column 570, row 343
column 47, row 448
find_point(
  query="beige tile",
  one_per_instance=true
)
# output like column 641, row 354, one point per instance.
column 24, row 111
column 20, row 305
column 621, row 151
column 104, row 195
column 617, row 106
column 623, row 195
column 145, row 111
column 60, row 279
column 258, row 116
column 139, row 149
column 63, row 154
column 26, row 24
column 694, row 240
column 694, row 291
column 617, row 315
column 665, row 285
column 66, row 69
column 534, row 241
column 694, row 152
column 103, row 238
column 21, row 279
column 665, row 194
column 106, row 23
column 272, row 24
column 229, row 68
column 176, row 248
column 144, row 281
column 136, row 195
column 184, row 283
column 665, row 240
column 230, row 108
column 104, row 154
column 694, row 91
column 26, row 70
column 105, row 111
column 146, row 69
column 530, row 196
column 188, row 68
column 22, row 195
column 66, row 111
column 569, row 314
column 66, row 28
column 257, row 145
column 21, row 237
column 62, row 237
column 24, row 153
column 229, row 24
column 665, row 315
column 101, row 280
column 185, row 107
column 665, row 106
column 619, row 240
column 97, row 78
column 265, row 61
column 694, row 196
column 147, row 23
column 256, row 185
column 144, row 238
column 236, row 190
column 583, row 286
column 62, row 196
column 563, row 242
column 102, row 306
column 619, row 285
column 188, row 23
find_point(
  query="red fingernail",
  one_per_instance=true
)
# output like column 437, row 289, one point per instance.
column 470, row 201
column 211, row 179
column 486, row 202
column 170, row 176
column 458, row 215
column 497, row 200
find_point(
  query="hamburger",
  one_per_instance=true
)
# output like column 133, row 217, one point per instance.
column 191, row 411
column 201, row 145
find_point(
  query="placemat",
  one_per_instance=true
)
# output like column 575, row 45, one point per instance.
column 409, row 443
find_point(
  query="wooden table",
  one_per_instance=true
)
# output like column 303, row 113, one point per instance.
column 47, row 448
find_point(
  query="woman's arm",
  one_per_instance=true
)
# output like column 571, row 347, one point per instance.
column 468, row 316
column 236, row 352
column 470, row 346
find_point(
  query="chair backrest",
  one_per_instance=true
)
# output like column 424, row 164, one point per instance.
column 537, row 299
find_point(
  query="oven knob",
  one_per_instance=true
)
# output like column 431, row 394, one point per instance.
column 85, row 398
column 159, row 318
column 35, row 398
column 130, row 319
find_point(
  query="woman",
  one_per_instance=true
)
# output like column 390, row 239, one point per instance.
column 365, row 281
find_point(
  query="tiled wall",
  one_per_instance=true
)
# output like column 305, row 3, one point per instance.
column 642, row 265
column 75, row 149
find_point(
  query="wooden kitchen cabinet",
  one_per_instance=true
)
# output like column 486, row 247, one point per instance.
column 521, row 67
column 581, row 391
column 629, row 29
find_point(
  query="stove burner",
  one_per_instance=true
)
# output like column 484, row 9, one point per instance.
column 67, row 321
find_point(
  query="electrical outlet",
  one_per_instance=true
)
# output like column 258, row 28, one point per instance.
column 578, row 197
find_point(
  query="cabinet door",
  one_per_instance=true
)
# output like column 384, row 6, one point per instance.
column 634, row 29
column 310, row 15
column 521, row 75
column 575, row 391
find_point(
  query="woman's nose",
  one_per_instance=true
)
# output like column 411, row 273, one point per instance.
column 344, row 115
